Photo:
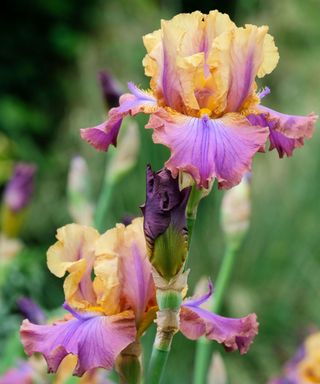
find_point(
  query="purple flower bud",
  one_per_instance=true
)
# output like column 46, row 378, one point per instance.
column 31, row 310
column 110, row 89
column 165, row 222
column 19, row 189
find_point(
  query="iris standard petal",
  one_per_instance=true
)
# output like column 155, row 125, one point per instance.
column 132, row 103
column 240, row 55
column 95, row 340
column 75, row 252
column 234, row 334
column 122, row 251
column 137, row 285
column 176, row 59
column 208, row 148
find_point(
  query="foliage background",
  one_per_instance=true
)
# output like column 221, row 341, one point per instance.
column 50, row 55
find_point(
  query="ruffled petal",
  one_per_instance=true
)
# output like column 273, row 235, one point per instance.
column 176, row 59
column 283, row 144
column 95, row 340
column 287, row 132
column 132, row 103
column 75, row 252
column 234, row 334
column 132, row 284
column 292, row 126
column 208, row 148
column 239, row 56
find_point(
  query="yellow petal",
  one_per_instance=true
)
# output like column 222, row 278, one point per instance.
column 115, row 268
column 236, row 58
column 74, row 252
column 270, row 56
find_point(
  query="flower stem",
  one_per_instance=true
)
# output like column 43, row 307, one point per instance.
column 203, row 350
column 159, row 358
column 169, row 302
column 103, row 203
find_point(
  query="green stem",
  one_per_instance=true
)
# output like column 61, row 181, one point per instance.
column 169, row 302
column 203, row 350
column 103, row 204
column 158, row 362
column 223, row 277
column 169, row 305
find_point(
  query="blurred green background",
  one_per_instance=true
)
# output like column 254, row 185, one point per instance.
column 51, row 52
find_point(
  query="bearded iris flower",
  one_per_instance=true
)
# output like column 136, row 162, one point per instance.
column 304, row 368
column 203, row 99
column 109, row 312
column 106, row 314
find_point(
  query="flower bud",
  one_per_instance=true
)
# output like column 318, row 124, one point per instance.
column 125, row 157
column 30, row 310
column 19, row 190
column 79, row 205
column 236, row 211
column 16, row 198
column 165, row 223
column 110, row 89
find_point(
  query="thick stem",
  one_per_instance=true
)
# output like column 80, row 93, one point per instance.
column 203, row 350
column 223, row 277
column 128, row 364
column 169, row 302
column 159, row 356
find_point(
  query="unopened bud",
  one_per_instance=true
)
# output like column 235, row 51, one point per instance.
column 236, row 212
column 30, row 310
column 125, row 157
column 19, row 189
column 165, row 223
column 79, row 204
column 16, row 198
column 110, row 89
